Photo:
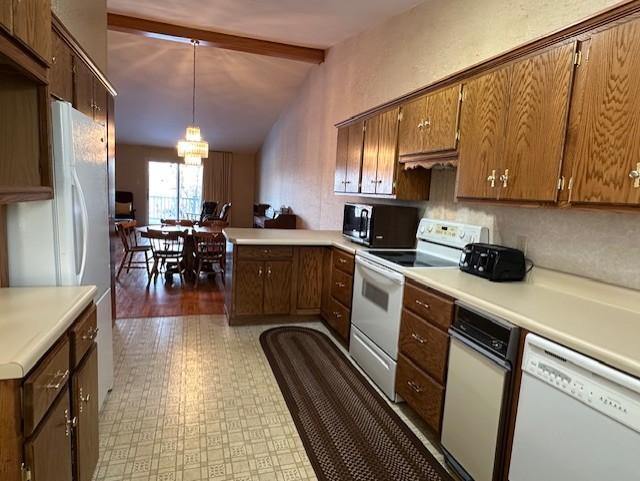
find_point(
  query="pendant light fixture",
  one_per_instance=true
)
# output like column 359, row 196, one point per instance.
column 192, row 147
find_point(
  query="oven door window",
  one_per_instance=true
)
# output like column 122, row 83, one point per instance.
column 374, row 294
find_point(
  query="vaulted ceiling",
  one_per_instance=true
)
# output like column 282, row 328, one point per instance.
column 240, row 95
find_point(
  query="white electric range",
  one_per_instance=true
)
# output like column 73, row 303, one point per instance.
column 378, row 287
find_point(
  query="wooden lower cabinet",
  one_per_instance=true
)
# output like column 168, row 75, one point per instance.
column 84, row 386
column 249, row 288
column 309, row 276
column 339, row 318
column 48, row 451
column 277, row 287
column 337, row 292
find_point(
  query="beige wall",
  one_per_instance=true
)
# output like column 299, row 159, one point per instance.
column 87, row 22
column 131, row 175
column 296, row 162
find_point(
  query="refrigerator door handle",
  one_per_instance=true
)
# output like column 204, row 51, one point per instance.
column 85, row 222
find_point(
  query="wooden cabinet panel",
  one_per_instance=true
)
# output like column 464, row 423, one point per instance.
column 44, row 383
column 483, row 119
column 369, row 178
column 441, row 120
column 277, row 287
column 342, row 154
column 342, row 287
column 387, row 151
column 422, row 393
column 424, row 344
column 85, row 408
column 82, row 335
column 82, row 87
column 354, row 158
column 48, row 451
column 32, row 25
column 100, row 104
column 536, row 125
column 343, row 261
column 6, row 15
column 264, row 252
column 248, row 288
column 339, row 318
column 61, row 72
column 410, row 138
column 427, row 304
column 607, row 140
column 309, row 278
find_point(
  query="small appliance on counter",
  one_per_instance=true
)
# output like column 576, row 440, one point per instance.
column 493, row 262
column 380, row 225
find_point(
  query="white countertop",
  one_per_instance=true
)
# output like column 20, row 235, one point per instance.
column 32, row 319
column 293, row 237
column 598, row 320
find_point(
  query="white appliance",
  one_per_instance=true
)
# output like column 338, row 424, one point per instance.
column 378, row 286
column 578, row 419
column 65, row 241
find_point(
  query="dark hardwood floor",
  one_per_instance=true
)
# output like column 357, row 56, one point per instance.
column 134, row 299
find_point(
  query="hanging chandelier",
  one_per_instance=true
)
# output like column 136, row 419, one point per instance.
column 192, row 148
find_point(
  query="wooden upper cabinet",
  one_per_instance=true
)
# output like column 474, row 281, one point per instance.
column 369, row 178
column 482, row 127
column 83, row 87
column 6, row 15
column 606, row 148
column 440, row 124
column 540, row 89
column 354, row 157
column 32, row 25
column 387, row 151
column 411, row 126
column 342, row 154
column 61, row 72
column 277, row 287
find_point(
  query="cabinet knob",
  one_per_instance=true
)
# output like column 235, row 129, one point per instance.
column 342, row 261
column 504, row 178
column 418, row 338
column 83, row 400
column 635, row 175
column 269, row 272
column 337, row 314
column 260, row 272
column 426, row 123
column 421, row 125
column 60, row 377
column 415, row 386
column 69, row 424
column 492, row 178
column 53, row 59
column 340, row 284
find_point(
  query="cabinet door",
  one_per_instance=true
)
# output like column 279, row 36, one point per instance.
column 482, row 129
column 32, row 25
column 441, row 120
column 309, row 277
column 61, row 72
column 342, row 153
column 84, row 386
column 249, row 288
column 354, row 158
column 48, row 451
column 607, row 152
column 100, row 103
column 387, row 151
column 82, row 87
column 6, row 15
column 277, row 287
column 411, row 127
column 370, row 156
column 536, row 125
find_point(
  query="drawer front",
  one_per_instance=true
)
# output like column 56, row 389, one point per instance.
column 264, row 252
column 343, row 261
column 44, row 383
column 342, row 286
column 83, row 333
column 422, row 394
column 424, row 344
column 427, row 304
column 339, row 318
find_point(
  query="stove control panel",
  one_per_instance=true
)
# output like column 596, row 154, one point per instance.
column 600, row 387
column 451, row 234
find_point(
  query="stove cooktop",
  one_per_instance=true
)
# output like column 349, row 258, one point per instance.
column 412, row 258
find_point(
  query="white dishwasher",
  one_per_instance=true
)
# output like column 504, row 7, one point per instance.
column 578, row 419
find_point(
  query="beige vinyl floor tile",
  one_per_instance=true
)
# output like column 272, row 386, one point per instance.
column 194, row 400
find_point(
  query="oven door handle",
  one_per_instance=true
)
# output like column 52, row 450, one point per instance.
column 388, row 274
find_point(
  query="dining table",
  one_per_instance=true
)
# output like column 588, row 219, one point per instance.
column 189, row 257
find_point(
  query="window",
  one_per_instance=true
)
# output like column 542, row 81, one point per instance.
column 175, row 191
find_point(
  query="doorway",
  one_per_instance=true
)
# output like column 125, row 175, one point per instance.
column 174, row 191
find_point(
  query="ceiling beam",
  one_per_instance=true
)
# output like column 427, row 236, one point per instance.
column 178, row 33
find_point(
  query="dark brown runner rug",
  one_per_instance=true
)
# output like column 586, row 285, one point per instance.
column 348, row 430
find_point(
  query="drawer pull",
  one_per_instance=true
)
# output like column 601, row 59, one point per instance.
column 266, row 251
column 414, row 386
column 418, row 338
column 91, row 334
column 69, row 423
column 59, row 376
column 423, row 304
column 340, row 284
column 337, row 315
column 342, row 261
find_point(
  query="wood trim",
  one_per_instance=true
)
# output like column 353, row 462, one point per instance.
column 11, row 429
column 179, row 33
column 4, row 253
column 570, row 33
column 22, row 60
column 77, row 49
column 9, row 195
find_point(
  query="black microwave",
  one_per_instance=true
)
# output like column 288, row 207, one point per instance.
column 380, row 225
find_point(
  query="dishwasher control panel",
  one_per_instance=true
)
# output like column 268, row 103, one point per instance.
column 604, row 389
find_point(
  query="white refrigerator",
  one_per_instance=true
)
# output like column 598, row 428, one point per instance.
column 65, row 241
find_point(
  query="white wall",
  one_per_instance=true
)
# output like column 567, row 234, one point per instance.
column 296, row 162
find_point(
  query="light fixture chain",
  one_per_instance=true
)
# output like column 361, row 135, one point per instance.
column 193, row 112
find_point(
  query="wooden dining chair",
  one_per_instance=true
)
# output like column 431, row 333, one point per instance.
column 214, row 223
column 168, row 251
column 210, row 251
column 131, row 246
column 181, row 222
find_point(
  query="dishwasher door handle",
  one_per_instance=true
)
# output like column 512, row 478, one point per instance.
column 503, row 363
